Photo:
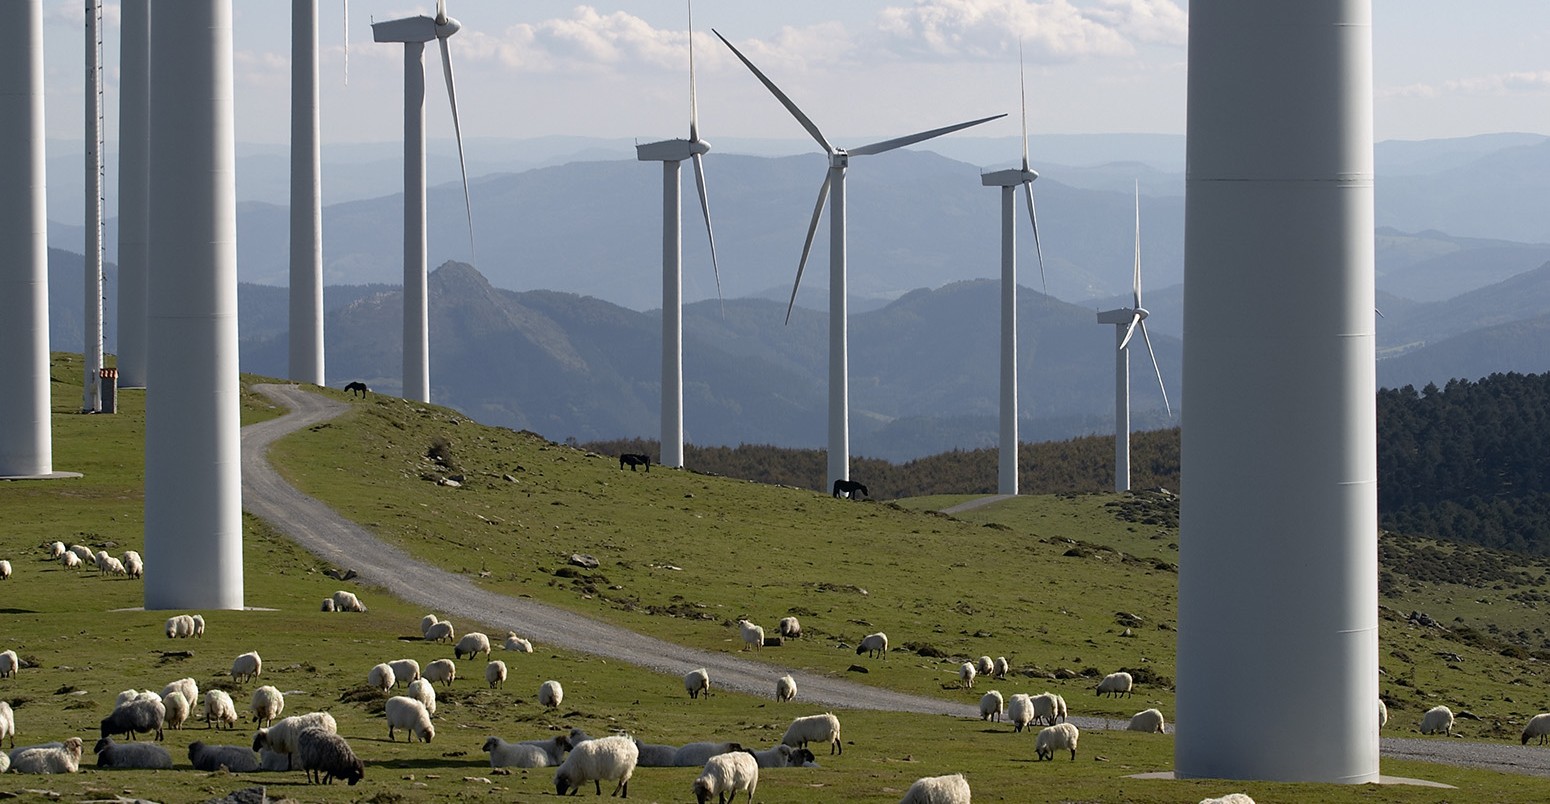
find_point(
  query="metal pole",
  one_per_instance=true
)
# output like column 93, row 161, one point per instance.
column 417, row 357
column 306, row 290
column 91, row 337
column 839, row 371
column 134, row 134
column 1007, row 480
column 672, row 316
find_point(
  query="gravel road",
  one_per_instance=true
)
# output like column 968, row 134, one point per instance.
column 342, row 543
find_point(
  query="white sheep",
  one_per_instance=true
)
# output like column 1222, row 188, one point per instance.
column 966, row 673
column 247, row 667
column 114, row 567
column 380, row 677
column 101, row 559
column 62, row 758
column 551, row 694
column 188, row 687
column 785, row 688
column 1147, row 720
column 472, row 643
column 1116, row 684
column 991, row 706
column 1538, row 726
column 495, row 673
column 131, row 694
column 177, row 709
column 268, row 703
column 404, row 712
column 56, row 549
column 1046, row 708
column 938, row 790
column 985, row 665
column 1020, row 711
column 82, row 552
column 280, row 739
column 10, row 662
column 790, row 628
column 1230, row 798
column 422, row 690
column 694, row 755
column 220, row 709
column 593, row 761
column 328, row 604
column 426, row 622
column 7, row 724
column 5, row 570
column 70, row 560
column 1437, row 719
column 725, row 776
column 874, row 645
column 824, row 728
column 696, row 682
column 516, row 643
column 180, row 626
column 1001, row 668
column 753, row 635
column 1383, row 713
column 1060, row 707
column 1059, row 737
column 134, row 564
column 780, row 755
column 443, row 670
column 199, row 625
column 526, row 754
column 405, row 671
column 347, row 601
column 441, row 631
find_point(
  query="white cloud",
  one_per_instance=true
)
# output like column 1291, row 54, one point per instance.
column 1051, row 31
column 1500, row 84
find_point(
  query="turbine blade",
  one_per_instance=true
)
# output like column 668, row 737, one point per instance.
column 699, row 184
column 346, row 42
column 694, row 110
column 900, row 142
column 1136, row 283
column 1033, row 217
column 1022, row 92
column 441, row 12
column 1156, row 368
column 807, row 246
column 457, row 129
column 1130, row 331
column 780, row 96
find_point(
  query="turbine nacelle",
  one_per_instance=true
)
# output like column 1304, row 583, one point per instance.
column 414, row 29
column 671, row 150
column 1123, row 315
column 1008, row 178
column 839, row 159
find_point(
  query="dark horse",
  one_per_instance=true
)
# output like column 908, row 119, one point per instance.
column 357, row 386
column 849, row 488
column 634, row 459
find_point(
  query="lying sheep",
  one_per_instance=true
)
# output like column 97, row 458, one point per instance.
column 1538, row 726
column 780, row 755
column 380, row 677
column 180, row 626
column 131, row 756
column 938, row 790
column 177, row 710
column 426, row 622
column 551, row 694
column 1020, row 711
column 785, row 688
column 187, row 687
column 495, row 673
column 991, row 706
column 347, row 601
column 325, row 756
column 268, row 703
column 1059, row 737
column 725, row 776
column 219, row 708
column 7, row 724
column 139, row 716
column 693, row 755
column 516, row 643
column 1437, row 719
column 577, row 737
column 1147, row 720
column 874, row 645
column 234, row 758
column 966, row 673
column 1116, row 684
column 1001, row 667
column 443, row 670
column 753, row 635
column 247, row 667
column 62, row 758
column 593, row 761
column 281, row 737
column 472, row 643
column 790, row 628
column 526, row 754
column 440, row 632
column 696, row 682
column 404, row 712
column 655, row 756
column 405, row 670
column 421, row 690
column 824, row 728
column 134, row 564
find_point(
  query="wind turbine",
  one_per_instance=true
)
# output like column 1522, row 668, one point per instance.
column 306, row 285
column 414, row 32
column 1008, row 181
column 834, row 184
column 1126, row 321
column 671, row 154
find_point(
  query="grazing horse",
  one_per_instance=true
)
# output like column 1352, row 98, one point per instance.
column 634, row 459
column 850, row 488
column 357, row 386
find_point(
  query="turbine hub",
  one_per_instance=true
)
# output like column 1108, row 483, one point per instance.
column 839, row 159
column 447, row 26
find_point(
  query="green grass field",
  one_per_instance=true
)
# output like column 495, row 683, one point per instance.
column 1040, row 580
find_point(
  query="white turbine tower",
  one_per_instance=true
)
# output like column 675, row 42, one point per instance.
column 91, row 338
column 1126, row 321
column 671, row 154
column 1008, row 181
column 306, row 286
column 414, row 32
column 834, row 184
column 134, row 181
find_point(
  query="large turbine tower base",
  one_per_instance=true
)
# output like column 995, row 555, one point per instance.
column 306, row 288
column 1278, row 562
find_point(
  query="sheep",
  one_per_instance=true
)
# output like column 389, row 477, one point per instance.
column 407, row 713
column 472, row 643
column 268, row 703
column 696, row 682
column 655, row 756
column 785, row 688
column 380, row 677
column 62, row 758
column 516, row 643
column 824, row 728
column 577, row 737
column 938, row 790
column 1147, row 720
column 423, row 691
column 780, row 755
column 1060, row 707
column 526, row 754
column 443, row 670
column 5, row 762
column 1438, row 718
column 405, row 670
column 325, row 756
column 141, row 715
column 70, row 560
column 7, row 724
column 595, row 760
column 177, row 710
column 874, row 645
column 219, row 708
column 966, row 673
column 5, row 570
column 694, row 755
column 188, row 687
column 347, row 601
column 101, row 559
column 1116, row 684
column 270, row 761
column 281, row 737
column 790, row 628
column 1020, row 711
column 133, row 756
column 425, row 622
column 1046, row 708
column 134, row 564
column 753, row 635
column 551, row 694
column 495, row 673
column 991, row 706
column 247, row 667
column 129, row 695
column 985, row 665
column 83, row 552
column 10, row 662
column 56, row 549
column 328, row 604
column 1230, row 798
column 725, row 775
column 1383, row 713
column 1061, row 736
column 114, row 567
column 440, row 632
column 179, row 626
column 234, row 758
column 1538, row 726
column 199, row 626
column 1001, row 668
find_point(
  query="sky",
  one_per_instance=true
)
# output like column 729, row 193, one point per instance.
column 861, row 69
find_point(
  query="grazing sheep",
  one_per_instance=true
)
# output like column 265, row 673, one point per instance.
column 1230, row 798
column 62, row 758
column 219, row 708
column 325, row 756
column 129, row 695
column 134, row 564
column 405, row 670
column 472, row 643
column 56, row 549
column 966, row 673
column 281, row 737
column 440, row 632
column 347, row 601
column 139, row 716
column 83, row 552
column 1538, row 726
column 516, row 643
column 753, row 635
column 247, row 667
column 177, row 709
column 426, row 622
column 985, row 665
column 404, row 712
column 593, row 761
column 693, row 755
column 526, row 754
column 328, row 604
column 5, row 570
column 1116, row 684
column 991, row 706
column 234, row 758
column 725, row 776
column 824, row 728
column 1020, row 711
column 785, row 688
column 874, row 645
column 7, row 724
column 1383, row 713
column 790, row 628
column 10, row 662
column 1046, row 708
column 655, row 756
column 696, row 682
column 551, row 694
column 180, row 626
column 1438, row 718
column 187, row 687
column 1060, row 707
column 780, row 755
column 495, row 673
column 1001, row 668
column 1059, row 737
column 268, row 703
column 1147, row 720
column 132, row 756
column 443, row 670
column 380, row 677
column 114, row 567
column 101, row 559
column 70, row 560
column 938, row 790
column 199, row 626
column 422, row 690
